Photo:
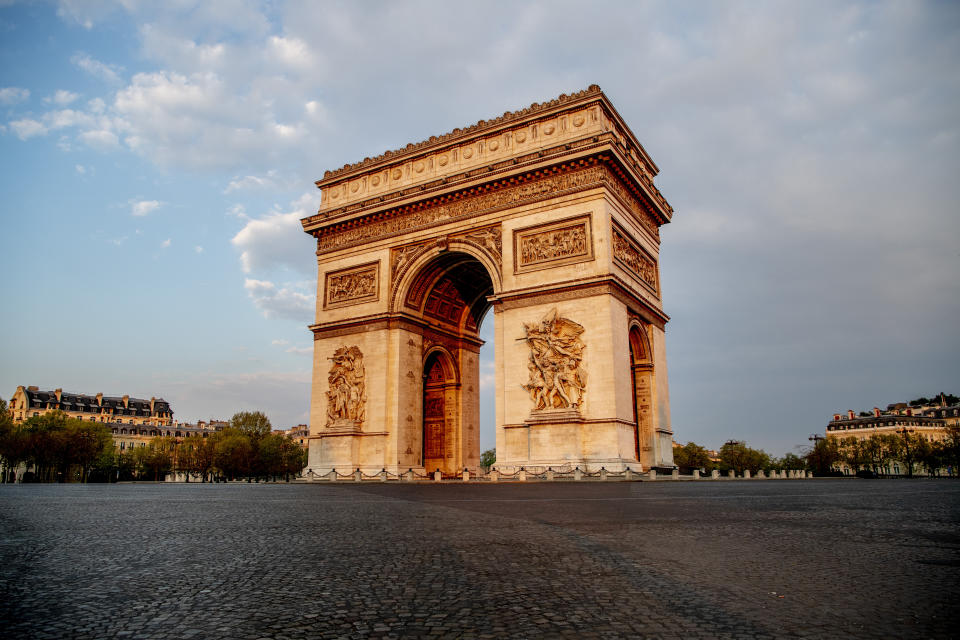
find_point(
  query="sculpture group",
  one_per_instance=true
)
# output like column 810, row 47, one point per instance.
column 557, row 379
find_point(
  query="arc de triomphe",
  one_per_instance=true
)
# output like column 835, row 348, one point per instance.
column 550, row 216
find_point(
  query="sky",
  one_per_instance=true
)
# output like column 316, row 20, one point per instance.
column 157, row 157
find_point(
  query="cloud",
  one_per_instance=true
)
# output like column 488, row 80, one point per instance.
column 107, row 72
column 28, row 128
column 198, row 249
column 62, row 97
column 165, row 244
column 141, row 208
column 252, row 182
column 13, row 95
column 279, row 302
column 301, row 351
column 100, row 139
column 280, row 342
column 80, row 169
column 271, row 241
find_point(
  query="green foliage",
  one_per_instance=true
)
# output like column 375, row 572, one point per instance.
column 739, row 457
column 56, row 447
column 935, row 399
column 251, row 423
column 822, row 456
column 488, row 457
column 692, row 456
column 790, row 461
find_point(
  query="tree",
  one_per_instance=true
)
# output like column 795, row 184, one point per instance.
column 692, row 456
column 487, row 458
column 951, row 447
column 822, row 456
column 252, row 423
column 791, row 461
column 853, row 451
column 739, row 457
column 233, row 454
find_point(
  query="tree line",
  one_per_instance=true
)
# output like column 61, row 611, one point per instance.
column 57, row 448
column 875, row 454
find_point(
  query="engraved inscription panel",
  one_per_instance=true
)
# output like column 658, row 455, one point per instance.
column 634, row 259
column 563, row 242
column 352, row 286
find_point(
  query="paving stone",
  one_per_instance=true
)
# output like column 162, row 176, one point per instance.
column 831, row 558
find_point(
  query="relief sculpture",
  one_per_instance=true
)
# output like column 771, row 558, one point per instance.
column 346, row 397
column 635, row 260
column 352, row 286
column 557, row 377
column 552, row 245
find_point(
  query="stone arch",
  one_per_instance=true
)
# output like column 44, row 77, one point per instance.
column 642, row 380
column 413, row 273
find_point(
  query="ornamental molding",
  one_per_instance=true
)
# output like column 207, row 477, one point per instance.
column 353, row 285
column 635, row 260
column 487, row 240
column 553, row 244
column 495, row 196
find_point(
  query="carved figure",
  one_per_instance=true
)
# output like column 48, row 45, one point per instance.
column 553, row 244
column 557, row 377
column 346, row 399
column 640, row 264
column 350, row 286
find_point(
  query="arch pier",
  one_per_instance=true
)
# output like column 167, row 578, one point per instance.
column 550, row 216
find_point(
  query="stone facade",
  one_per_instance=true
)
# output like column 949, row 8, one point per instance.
column 549, row 215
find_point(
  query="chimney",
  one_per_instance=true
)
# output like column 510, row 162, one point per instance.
column 876, row 412
column 100, row 399
column 59, row 393
column 33, row 387
column 836, row 416
column 909, row 412
column 851, row 414
column 126, row 401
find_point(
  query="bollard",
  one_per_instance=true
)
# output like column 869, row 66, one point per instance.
column 437, row 476
column 675, row 474
column 652, row 474
column 549, row 474
column 333, row 474
column 494, row 475
column 466, row 474
column 522, row 477
column 357, row 477
column 695, row 474
column 577, row 474
column 383, row 475
column 310, row 475
column 746, row 474
column 603, row 474
column 715, row 474
column 628, row 474
column 408, row 476
column 731, row 474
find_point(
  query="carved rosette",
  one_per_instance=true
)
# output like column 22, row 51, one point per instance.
column 558, row 379
column 635, row 260
column 346, row 396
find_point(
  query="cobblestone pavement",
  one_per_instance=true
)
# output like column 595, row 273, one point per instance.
column 760, row 559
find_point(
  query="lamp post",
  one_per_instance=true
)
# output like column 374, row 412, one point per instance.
column 906, row 443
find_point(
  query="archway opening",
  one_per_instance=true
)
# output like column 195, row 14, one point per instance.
column 451, row 295
column 641, row 374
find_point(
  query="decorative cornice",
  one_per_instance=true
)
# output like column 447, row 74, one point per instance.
column 482, row 125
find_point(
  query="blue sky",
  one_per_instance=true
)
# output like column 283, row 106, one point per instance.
column 156, row 162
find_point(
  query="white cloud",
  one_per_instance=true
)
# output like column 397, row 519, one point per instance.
column 273, row 240
column 13, row 95
column 62, row 97
column 252, row 182
column 28, row 128
column 100, row 139
column 198, row 249
column 107, row 72
column 301, row 351
column 279, row 302
column 80, row 169
column 141, row 208
column 238, row 211
column 165, row 244
column 279, row 343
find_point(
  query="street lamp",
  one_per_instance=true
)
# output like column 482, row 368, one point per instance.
column 906, row 443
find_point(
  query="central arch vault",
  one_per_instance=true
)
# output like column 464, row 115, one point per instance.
column 550, row 216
